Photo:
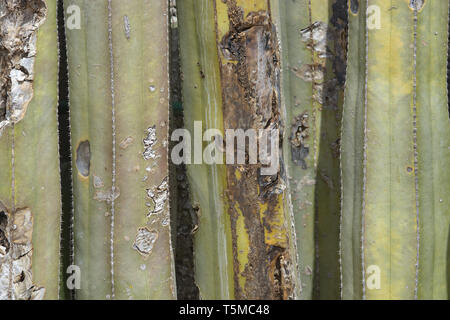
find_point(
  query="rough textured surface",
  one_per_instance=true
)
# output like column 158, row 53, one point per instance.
column 29, row 168
column 313, row 41
column 15, row 257
column 19, row 21
column 251, row 100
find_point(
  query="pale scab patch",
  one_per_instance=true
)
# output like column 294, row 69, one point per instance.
column 149, row 142
column 145, row 240
column 309, row 72
column 159, row 197
column 106, row 196
column 19, row 22
column 16, row 258
column 299, row 139
column 98, row 182
column 125, row 143
column 316, row 37
column 22, row 227
column 127, row 26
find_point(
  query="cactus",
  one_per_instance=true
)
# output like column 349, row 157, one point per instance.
column 395, row 152
column 314, row 48
column 212, row 242
column 312, row 160
column 244, row 245
column 118, row 79
column 30, row 196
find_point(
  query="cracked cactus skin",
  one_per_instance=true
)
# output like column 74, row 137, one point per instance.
column 395, row 152
column 244, row 245
column 118, row 78
column 313, row 54
column 30, row 196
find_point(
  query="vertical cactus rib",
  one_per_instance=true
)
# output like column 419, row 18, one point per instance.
column 394, row 152
column 118, row 63
column 234, row 92
column 297, row 93
column 30, row 199
column 202, row 101
column 352, row 155
column 264, row 259
column 313, row 49
column 390, row 213
column 433, row 153
column 134, row 84
column 91, row 132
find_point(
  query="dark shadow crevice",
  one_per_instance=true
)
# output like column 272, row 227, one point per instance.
column 65, row 156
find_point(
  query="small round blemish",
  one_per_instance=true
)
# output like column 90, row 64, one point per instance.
column 409, row 169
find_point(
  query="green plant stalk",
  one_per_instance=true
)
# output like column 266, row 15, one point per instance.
column 30, row 178
column 433, row 142
column 202, row 97
column 314, row 54
column 395, row 212
column 118, row 78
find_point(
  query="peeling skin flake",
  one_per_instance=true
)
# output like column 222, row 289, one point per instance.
column 145, row 240
column 159, row 196
column 298, row 139
column 149, row 142
column 316, row 37
column 98, row 182
column 127, row 26
column 16, row 257
column 19, row 22
column 106, row 196
column 309, row 72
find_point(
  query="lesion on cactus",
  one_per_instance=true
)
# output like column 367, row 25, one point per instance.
column 19, row 22
column 250, row 78
column 16, row 250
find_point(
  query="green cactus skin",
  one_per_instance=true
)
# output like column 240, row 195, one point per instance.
column 395, row 155
column 212, row 242
column 314, row 55
column 433, row 148
column 29, row 175
column 118, row 77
